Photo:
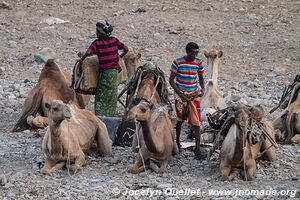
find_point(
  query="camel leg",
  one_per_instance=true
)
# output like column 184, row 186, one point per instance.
column 250, row 169
column 138, row 163
column 103, row 141
column 226, row 172
column 296, row 139
column 164, row 167
column 50, row 166
column 153, row 166
column 269, row 155
column 37, row 122
column 137, row 167
column 79, row 161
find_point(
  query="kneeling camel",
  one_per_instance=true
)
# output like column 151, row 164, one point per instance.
column 156, row 139
column 240, row 149
column 70, row 134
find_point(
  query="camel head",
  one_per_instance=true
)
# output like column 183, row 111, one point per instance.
column 213, row 54
column 58, row 111
column 131, row 61
column 213, row 59
column 141, row 111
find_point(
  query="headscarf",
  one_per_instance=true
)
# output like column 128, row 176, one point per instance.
column 104, row 27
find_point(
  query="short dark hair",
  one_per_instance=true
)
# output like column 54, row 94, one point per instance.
column 190, row 46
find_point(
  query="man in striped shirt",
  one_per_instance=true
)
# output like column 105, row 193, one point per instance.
column 183, row 79
column 106, row 48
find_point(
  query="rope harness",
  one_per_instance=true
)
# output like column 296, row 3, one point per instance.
column 289, row 94
column 222, row 120
column 160, row 84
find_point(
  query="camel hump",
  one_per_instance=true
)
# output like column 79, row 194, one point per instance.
column 50, row 63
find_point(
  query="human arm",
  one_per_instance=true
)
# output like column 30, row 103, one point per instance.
column 201, row 81
column 123, row 47
column 125, row 50
column 176, row 89
column 89, row 52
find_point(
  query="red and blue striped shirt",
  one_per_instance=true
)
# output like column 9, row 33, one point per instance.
column 107, row 51
column 186, row 73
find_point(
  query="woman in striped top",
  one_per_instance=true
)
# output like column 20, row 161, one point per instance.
column 106, row 47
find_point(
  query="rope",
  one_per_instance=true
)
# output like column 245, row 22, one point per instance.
column 138, row 140
column 68, row 159
column 138, row 85
column 244, row 160
column 261, row 153
column 154, row 90
column 162, row 87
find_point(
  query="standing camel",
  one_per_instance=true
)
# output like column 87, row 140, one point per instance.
column 213, row 99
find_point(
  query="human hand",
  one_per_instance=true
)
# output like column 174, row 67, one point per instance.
column 201, row 94
column 184, row 97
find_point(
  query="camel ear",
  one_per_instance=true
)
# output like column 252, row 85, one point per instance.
column 48, row 106
column 138, row 56
column 206, row 53
column 220, row 54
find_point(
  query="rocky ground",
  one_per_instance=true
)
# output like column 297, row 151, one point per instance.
column 260, row 41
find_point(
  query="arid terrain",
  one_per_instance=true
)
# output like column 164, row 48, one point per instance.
column 260, row 40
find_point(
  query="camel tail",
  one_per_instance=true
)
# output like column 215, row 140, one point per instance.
column 31, row 107
column 104, row 143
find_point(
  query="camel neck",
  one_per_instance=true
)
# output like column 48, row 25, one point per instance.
column 149, row 136
column 213, row 67
column 238, row 151
column 54, row 128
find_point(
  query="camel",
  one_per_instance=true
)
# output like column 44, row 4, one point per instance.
column 157, row 143
column 288, row 123
column 238, row 150
column 213, row 99
column 70, row 134
column 144, row 91
column 52, row 84
column 148, row 84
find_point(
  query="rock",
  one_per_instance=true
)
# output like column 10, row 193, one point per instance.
column 54, row 20
column 112, row 160
column 11, row 97
column 183, row 169
column 3, row 180
column 2, row 70
column 15, row 87
column 164, row 185
column 119, row 13
column 43, row 55
column 26, row 131
column 26, row 81
column 139, row 10
column 272, row 75
column 207, row 137
column 210, row 8
column 8, row 110
column 259, row 176
column 11, row 44
column 5, row 5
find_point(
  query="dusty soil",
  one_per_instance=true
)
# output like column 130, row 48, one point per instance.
column 261, row 45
